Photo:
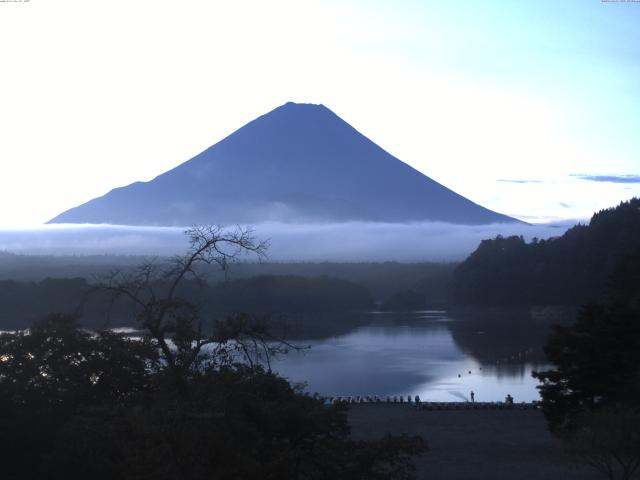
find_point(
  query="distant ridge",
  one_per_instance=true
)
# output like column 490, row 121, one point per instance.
column 297, row 163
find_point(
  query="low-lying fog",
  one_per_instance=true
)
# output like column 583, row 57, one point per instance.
column 350, row 241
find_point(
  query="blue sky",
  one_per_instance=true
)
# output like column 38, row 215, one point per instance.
column 530, row 108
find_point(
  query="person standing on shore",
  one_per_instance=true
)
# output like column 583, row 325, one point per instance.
column 473, row 397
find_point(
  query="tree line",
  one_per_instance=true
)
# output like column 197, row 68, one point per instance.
column 568, row 270
column 22, row 302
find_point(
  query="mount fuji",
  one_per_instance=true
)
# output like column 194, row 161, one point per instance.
column 297, row 163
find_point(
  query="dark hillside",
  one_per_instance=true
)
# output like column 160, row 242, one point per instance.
column 571, row 269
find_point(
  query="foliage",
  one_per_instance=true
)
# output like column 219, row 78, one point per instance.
column 50, row 370
column 570, row 270
column 54, row 361
column 21, row 302
column 28, row 295
column 76, row 405
column 591, row 398
column 291, row 294
column 408, row 300
column 597, row 360
column 178, row 403
column 234, row 424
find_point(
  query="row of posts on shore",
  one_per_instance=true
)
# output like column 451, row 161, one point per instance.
column 416, row 402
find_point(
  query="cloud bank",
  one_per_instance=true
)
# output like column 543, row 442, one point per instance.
column 609, row 178
column 345, row 242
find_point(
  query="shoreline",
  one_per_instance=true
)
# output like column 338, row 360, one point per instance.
column 473, row 444
column 430, row 405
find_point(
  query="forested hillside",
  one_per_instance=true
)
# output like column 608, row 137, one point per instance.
column 23, row 302
column 569, row 270
column 382, row 279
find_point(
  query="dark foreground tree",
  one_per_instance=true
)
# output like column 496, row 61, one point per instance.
column 156, row 292
column 591, row 399
column 77, row 405
column 50, row 371
column 597, row 360
column 177, row 403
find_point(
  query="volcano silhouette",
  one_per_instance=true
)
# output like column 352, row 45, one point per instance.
column 297, row 163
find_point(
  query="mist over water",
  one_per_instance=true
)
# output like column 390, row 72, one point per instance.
column 346, row 241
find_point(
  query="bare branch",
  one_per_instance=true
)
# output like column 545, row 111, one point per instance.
column 174, row 324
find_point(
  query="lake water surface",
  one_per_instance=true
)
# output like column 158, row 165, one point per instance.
column 427, row 353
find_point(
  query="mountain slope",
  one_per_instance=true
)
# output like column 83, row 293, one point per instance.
column 299, row 162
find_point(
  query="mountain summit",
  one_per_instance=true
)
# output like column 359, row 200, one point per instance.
column 297, row 163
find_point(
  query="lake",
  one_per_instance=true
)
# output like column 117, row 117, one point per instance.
column 428, row 353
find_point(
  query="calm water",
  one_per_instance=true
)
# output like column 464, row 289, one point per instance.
column 425, row 353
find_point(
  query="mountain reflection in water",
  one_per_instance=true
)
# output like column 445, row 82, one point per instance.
column 429, row 353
